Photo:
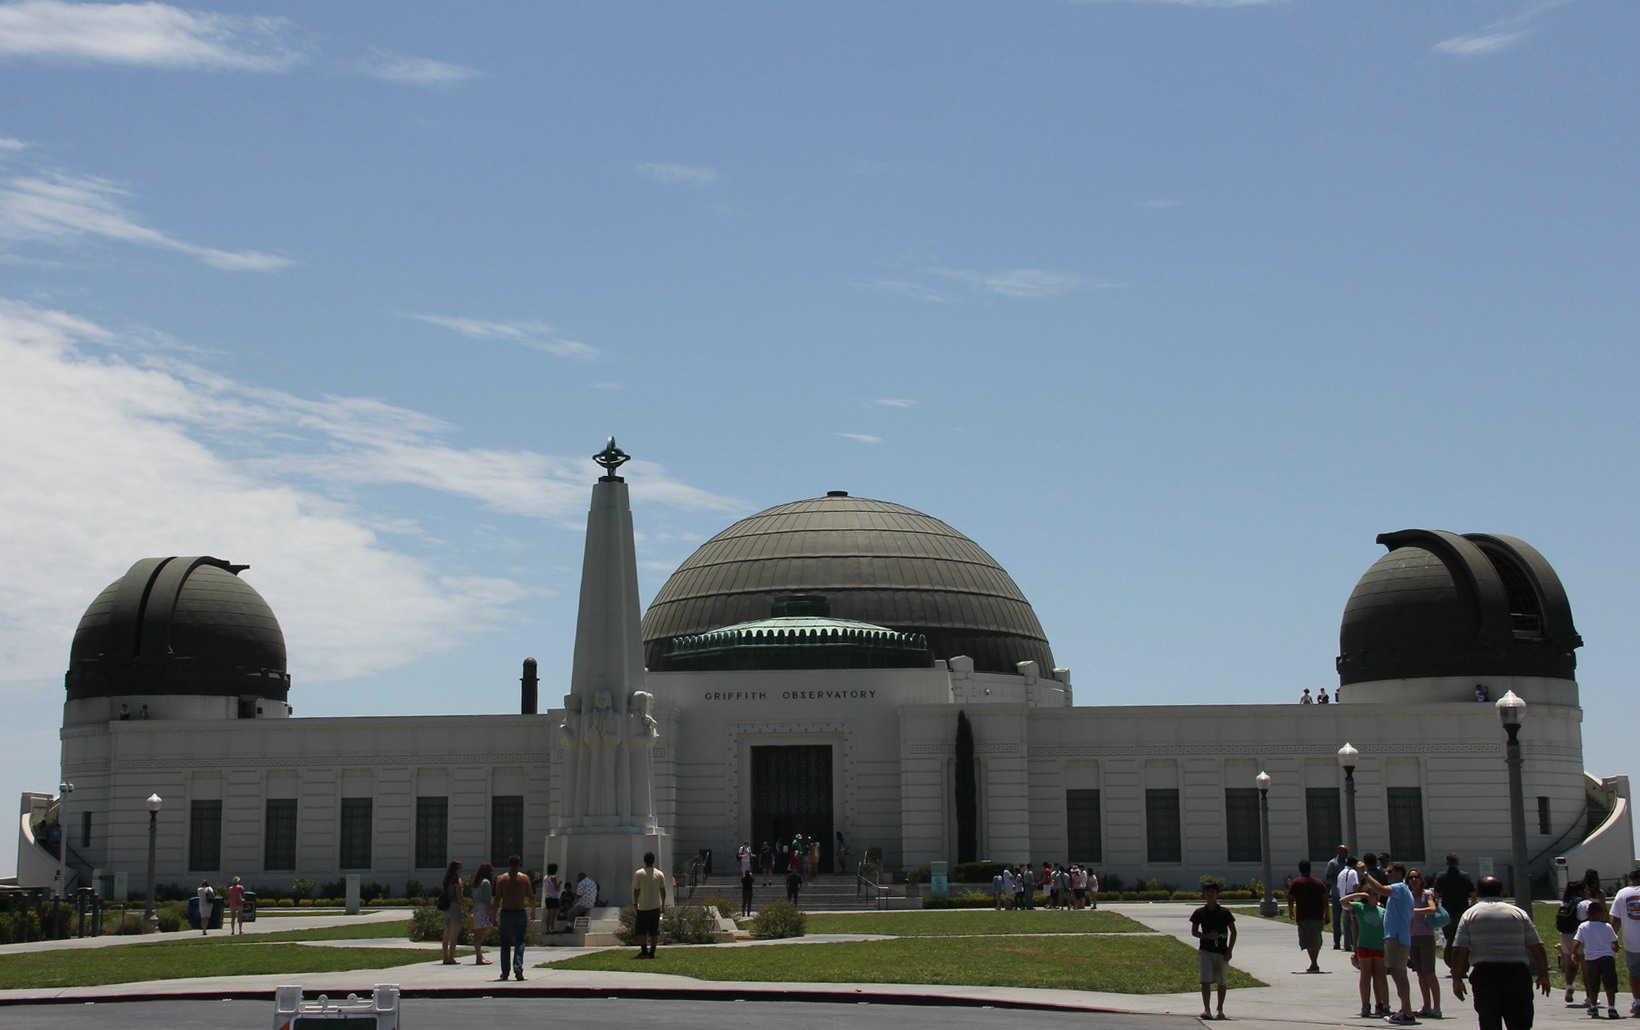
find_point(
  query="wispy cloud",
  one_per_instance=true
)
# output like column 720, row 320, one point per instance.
column 148, row 34
column 250, row 474
column 861, row 437
column 7, row 143
column 904, row 288
column 537, row 335
column 891, row 402
column 1023, row 283
column 61, row 208
column 415, row 71
column 1498, row 36
column 688, row 175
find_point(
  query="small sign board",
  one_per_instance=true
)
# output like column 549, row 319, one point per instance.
column 380, row 1011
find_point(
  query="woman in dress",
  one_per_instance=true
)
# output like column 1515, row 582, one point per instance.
column 236, row 907
column 483, row 910
column 452, row 895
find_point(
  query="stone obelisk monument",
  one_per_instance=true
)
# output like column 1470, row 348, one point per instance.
column 604, row 820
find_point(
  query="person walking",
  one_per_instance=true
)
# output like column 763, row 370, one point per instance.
column 1457, row 893
column 515, row 897
column 649, row 897
column 449, row 902
column 1596, row 951
column 1307, row 906
column 236, row 907
column 1626, row 915
column 483, row 894
column 1502, row 945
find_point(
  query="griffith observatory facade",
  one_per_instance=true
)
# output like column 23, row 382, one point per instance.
column 803, row 671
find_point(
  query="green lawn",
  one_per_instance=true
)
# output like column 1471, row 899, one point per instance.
column 170, row 960
column 1125, row 965
column 954, row 922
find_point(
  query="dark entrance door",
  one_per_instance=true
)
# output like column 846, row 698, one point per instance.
column 791, row 794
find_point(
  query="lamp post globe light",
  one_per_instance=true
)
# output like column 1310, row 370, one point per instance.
column 1347, row 757
column 149, row 917
column 1511, row 710
column 1266, row 907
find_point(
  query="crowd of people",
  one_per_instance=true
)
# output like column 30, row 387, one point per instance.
column 1387, row 916
column 1072, row 888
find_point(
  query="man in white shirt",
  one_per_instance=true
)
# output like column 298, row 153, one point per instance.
column 1626, row 910
column 1349, row 881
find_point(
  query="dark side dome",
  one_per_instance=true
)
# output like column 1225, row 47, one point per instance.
column 175, row 625
column 1440, row 604
column 874, row 561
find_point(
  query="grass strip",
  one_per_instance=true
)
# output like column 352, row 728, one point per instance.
column 93, row 967
column 1121, row 965
column 955, row 922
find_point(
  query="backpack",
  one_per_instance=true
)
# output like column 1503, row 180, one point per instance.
column 1566, row 918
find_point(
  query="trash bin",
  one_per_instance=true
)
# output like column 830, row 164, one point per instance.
column 247, row 912
column 218, row 905
column 193, row 912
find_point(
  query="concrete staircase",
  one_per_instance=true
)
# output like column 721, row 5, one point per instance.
column 824, row 893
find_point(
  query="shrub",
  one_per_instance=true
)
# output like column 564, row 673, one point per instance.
column 287, row 902
column 412, row 888
column 170, row 920
column 975, row 872
column 333, row 889
column 131, row 923
column 918, row 875
column 688, row 924
column 1110, row 882
column 967, row 899
column 302, row 889
column 726, row 907
column 781, row 919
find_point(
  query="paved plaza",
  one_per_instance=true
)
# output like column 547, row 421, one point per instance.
column 465, row 995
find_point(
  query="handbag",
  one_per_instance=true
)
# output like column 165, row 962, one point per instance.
column 1438, row 918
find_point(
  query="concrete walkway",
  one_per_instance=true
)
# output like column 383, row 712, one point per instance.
column 1267, row 950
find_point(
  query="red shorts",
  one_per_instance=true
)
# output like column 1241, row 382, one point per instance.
column 1369, row 953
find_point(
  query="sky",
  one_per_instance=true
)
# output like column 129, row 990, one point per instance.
column 1171, row 306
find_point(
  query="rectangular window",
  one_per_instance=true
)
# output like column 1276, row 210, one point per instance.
column 355, row 836
column 205, row 835
column 432, row 824
column 1406, row 823
column 1241, row 829
column 1323, row 821
column 1162, row 841
column 85, row 829
column 1082, row 826
column 507, row 827
column 279, row 835
column 1543, row 814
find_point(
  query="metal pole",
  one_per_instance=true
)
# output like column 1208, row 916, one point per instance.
column 1267, row 907
column 1349, row 810
column 1521, row 874
column 153, row 832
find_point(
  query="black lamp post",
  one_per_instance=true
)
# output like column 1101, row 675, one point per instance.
column 1267, row 907
column 1511, row 709
column 1347, row 756
column 153, row 832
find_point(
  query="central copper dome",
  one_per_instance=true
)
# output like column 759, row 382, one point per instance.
column 874, row 561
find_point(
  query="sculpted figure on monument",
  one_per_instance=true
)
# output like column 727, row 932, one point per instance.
column 644, row 729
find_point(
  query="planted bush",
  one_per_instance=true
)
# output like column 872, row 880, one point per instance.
column 781, row 919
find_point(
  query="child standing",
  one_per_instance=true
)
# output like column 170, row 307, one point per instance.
column 1595, row 947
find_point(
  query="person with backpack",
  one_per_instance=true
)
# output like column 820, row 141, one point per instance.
column 449, row 903
column 1574, row 908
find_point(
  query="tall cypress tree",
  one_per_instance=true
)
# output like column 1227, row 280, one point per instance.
column 967, row 792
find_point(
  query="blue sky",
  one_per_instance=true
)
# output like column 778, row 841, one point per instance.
column 1171, row 306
